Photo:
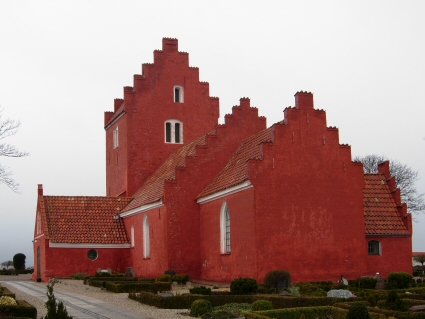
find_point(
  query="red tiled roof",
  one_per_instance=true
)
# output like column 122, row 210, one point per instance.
column 236, row 171
column 414, row 254
column 381, row 214
column 153, row 189
column 84, row 219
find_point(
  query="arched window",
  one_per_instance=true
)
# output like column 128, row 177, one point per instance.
column 374, row 247
column 178, row 94
column 146, row 238
column 226, row 247
column 132, row 235
column 173, row 131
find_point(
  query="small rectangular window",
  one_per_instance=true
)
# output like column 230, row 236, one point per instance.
column 177, row 132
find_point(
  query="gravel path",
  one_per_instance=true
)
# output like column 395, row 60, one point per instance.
column 77, row 287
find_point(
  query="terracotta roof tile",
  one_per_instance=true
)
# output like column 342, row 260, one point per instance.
column 153, row 189
column 85, row 219
column 236, row 171
column 381, row 214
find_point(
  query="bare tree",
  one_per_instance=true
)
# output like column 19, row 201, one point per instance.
column 8, row 128
column 420, row 259
column 405, row 179
column 7, row 264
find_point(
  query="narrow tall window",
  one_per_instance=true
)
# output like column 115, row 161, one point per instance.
column 177, row 132
column 173, row 131
column 374, row 247
column 225, row 229
column 115, row 137
column 168, row 132
column 132, row 235
column 146, row 238
column 178, row 94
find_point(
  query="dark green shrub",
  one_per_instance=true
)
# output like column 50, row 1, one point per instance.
column 367, row 282
column 200, row 307
column 278, row 279
column 260, row 305
column 164, row 278
column 136, row 286
column 79, row 276
column 19, row 261
column 394, row 302
column 181, row 278
column 358, row 310
column 399, row 280
column 201, row 290
column 22, row 310
column 243, row 286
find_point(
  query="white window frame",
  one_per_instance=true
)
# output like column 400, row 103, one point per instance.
column 115, row 137
column 180, row 95
column 132, row 236
column 225, row 230
column 146, row 238
column 173, row 123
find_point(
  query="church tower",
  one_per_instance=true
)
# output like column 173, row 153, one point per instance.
column 166, row 108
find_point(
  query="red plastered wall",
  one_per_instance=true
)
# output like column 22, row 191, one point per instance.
column 65, row 262
column 309, row 200
column 39, row 242
column 183, row 232
column 116, row 159
column 148, row 105
column 241, row 262
column 396, row 255
column 157, row 263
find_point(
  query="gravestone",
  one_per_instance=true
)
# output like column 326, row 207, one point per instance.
column 129, row 272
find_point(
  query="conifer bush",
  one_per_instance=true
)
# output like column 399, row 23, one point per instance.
column 358, row 310
column 55, row 310
column 399, row 280
column 244, row 286
column 200, row 307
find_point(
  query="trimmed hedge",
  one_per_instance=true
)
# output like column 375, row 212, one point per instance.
column 309, row 313
column 94, row 281
column 185, row 301
column 6, row 292
column 23, row 309
column 120, row 287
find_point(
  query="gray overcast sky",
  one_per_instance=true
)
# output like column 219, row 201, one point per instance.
column 62, row 63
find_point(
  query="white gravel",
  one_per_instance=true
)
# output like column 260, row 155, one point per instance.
column 77, row 287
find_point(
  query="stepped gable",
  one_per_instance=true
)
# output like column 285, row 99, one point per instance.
column 84, row 219
column 153, row 189
column 236, row 171
column 382, row 216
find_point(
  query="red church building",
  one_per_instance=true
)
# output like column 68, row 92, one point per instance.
column 222, row 201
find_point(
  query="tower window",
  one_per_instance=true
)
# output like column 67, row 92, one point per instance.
column 178, row 94
column 174, row 131
column 115, row 137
